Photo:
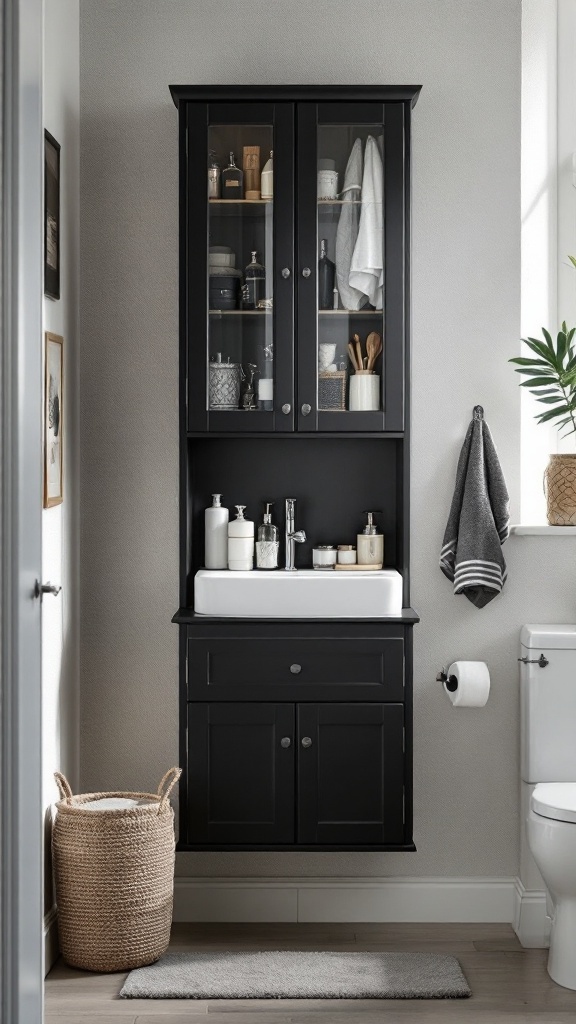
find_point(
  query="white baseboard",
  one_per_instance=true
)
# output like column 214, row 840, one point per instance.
column 51, row 947
column 531, row 921
column 425, row 900
column 488, row 900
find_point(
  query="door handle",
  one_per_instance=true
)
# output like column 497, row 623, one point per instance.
column 306, row 272
column 306, row 742
column 285, row 272
column 285, row 742
column 46, row 588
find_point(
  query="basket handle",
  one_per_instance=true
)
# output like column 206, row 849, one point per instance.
column 167, row 784
column 64, row 786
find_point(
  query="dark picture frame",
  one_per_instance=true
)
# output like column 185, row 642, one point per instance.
column 51, row 216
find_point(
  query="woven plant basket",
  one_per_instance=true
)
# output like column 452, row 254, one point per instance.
column 114, row 875
column 560, row 486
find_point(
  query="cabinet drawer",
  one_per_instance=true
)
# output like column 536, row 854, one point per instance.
column 294, row 669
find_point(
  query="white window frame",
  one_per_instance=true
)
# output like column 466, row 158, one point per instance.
column 548, row 180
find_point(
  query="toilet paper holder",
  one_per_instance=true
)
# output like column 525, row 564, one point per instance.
column 451, row 681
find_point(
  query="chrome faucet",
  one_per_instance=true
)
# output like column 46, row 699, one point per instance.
column 292, row 536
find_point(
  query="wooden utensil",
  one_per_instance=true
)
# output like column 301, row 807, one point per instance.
column 352, row 354
column 358, row 350
column 373, row 348
column 357, row 568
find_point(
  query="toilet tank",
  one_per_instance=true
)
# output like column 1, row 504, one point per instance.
column 548, row 704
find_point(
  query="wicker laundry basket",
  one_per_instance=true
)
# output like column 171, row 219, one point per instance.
column 114, row 875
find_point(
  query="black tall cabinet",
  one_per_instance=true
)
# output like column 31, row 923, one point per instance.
column 295, row 734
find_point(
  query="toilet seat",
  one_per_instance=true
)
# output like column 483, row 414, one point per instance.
column 555, row 800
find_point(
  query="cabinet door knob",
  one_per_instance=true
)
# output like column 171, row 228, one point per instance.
column 306, row 272
column 295, row 669
column 286, row 408
column 285, row 742
column 285, row 272
column 306, row 741
column 306, row 409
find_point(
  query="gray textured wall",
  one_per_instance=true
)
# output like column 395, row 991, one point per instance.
column 466, row 303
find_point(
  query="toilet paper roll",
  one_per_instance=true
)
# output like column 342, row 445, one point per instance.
column 472, row 684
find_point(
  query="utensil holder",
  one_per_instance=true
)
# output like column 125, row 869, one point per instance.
column 364, row 391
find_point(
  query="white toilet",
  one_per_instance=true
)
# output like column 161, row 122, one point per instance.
column 548, row 705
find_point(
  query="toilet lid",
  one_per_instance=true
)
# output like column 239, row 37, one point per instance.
column 555, row 800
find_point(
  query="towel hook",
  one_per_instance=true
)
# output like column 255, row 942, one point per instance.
column 478, row 412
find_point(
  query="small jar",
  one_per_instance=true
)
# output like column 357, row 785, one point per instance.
column 327, row 184
column 324, row 556
column 346, row 554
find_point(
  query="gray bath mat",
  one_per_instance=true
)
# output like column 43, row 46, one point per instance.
column 295, row 975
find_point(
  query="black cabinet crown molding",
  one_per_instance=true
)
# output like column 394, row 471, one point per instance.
column 295, row 93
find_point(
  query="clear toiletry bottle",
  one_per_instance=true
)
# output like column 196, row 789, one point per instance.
column 240, row 542
column 370, row 543
column 216, row 535
column 268, row 543
column 255, row 286
column 267, row 178
column 232, row 179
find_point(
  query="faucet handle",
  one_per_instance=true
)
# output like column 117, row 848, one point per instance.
column 299, row 536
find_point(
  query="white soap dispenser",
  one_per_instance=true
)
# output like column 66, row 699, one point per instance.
column 216, row 535
column 370, row 543
column 240, row 542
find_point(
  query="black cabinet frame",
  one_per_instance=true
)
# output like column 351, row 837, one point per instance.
column 296, row 811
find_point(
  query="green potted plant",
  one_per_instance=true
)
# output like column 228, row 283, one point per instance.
column 551, row 378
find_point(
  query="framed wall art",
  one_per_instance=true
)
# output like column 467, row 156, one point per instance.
column 53, row 420
column 51, row 216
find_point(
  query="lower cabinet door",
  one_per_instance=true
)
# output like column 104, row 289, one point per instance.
column 241, row 773
column 350, row 774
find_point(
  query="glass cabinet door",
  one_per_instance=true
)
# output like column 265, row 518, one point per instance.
column 351, row 267
column 240, row 286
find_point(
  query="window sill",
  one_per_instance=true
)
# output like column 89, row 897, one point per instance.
column 543, row 531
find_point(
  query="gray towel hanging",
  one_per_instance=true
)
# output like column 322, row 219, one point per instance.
column 478, row 523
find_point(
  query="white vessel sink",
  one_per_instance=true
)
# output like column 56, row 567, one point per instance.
column 305, row 594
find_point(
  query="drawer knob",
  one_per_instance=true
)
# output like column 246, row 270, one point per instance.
column 295, row 669
column 285, row 742
column 306, row 741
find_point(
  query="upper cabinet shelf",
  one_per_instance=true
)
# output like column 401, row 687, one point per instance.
column 294, row 249
column 238, row 202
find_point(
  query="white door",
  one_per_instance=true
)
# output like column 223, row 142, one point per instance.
column 21, row 466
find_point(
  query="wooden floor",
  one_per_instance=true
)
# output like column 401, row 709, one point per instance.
column 509, row 984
